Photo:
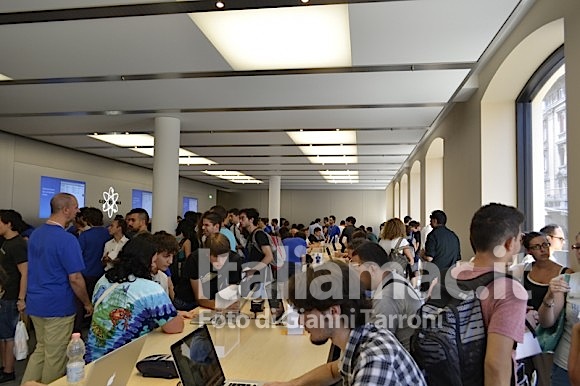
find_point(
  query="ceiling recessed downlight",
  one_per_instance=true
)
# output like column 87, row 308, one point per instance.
column 233, row 176
column 126, row 140
column 264, row 39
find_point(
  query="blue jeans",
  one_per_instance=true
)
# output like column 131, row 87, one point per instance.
column 559, row 376
column 8, row 319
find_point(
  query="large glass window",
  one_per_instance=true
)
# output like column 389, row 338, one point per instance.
column 542, row 169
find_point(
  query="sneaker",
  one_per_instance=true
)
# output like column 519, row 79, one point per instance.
column 7, row 377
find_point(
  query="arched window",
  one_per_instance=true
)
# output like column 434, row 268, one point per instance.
column 541, row 138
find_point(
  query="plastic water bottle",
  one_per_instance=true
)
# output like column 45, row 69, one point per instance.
column 75, row 368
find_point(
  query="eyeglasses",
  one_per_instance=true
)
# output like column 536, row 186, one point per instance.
column 575, row 246
column 537, row 247
column 562, row 239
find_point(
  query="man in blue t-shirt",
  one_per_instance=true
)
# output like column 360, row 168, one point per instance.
column 55, row 263
column 333, row 230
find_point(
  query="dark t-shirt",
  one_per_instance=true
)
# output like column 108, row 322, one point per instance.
column 443, row 246
column 212, row 279
column 12, row 253
column 254, row 246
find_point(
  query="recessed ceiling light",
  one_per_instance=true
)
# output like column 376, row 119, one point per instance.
column 233, row 176
column 333, row 159
column 329, row 137
column 266, row 38
column 340, row 176
column 145, row 144
column 126, row 140
column 220, row 4
column 329, row 150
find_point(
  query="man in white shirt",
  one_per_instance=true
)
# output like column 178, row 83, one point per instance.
column 556, row 238
column 117, row 229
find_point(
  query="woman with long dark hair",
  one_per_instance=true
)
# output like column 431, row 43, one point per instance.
column 128, row 303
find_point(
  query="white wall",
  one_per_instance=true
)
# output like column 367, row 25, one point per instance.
column 369, row 207
column 24, row 161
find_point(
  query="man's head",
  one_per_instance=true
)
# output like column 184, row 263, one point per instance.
column 415, row 225
column 93, row 217
column 496, row 228
column 118, row 228
column 219, row 249
column 406, row 219
column 221, row 211
column 331, row 220
column 10, row 221
column 555, row 236
column 274, row 222
column 329, row 298
column 137, row 220
column 165, row 248
column 210, row 223
column 438, row 218
column 64, row 205
column 353, row 246
column 249, row 218
column 318, row 232
column 350, row 220
column 234, row 215
column 370, row 260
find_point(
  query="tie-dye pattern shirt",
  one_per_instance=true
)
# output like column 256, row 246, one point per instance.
column 129, row 311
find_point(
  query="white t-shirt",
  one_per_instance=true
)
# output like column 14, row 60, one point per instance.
column 161, row 278
column 112, row 248
column 390, row 244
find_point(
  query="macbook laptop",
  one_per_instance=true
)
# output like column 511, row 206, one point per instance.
column 198, row 364
column 115, row 368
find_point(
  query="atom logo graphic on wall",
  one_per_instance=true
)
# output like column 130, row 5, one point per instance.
column 110, row 200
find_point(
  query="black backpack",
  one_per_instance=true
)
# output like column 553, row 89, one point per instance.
column 450, row 342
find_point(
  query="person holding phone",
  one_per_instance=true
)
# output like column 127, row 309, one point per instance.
column 563, row 296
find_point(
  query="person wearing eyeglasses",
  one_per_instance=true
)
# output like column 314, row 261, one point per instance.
column 556, row 238
column 555, row 302
column 536, row 276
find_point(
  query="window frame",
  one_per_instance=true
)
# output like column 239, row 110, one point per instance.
column 524, row 131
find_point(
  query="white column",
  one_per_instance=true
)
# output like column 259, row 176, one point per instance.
column 274, row 198
column 165, row 174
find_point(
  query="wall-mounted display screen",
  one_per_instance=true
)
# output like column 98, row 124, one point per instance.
column 49, row 186
column 142, row 199
column 189, row 204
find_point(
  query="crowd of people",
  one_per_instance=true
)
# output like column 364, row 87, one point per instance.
column 117, row 283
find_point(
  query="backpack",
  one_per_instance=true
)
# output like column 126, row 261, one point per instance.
column 449, row 344
column 395, row 256
column 278, row 250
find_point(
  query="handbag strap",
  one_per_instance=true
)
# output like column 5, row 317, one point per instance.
column 398, row 244
column 107, row 291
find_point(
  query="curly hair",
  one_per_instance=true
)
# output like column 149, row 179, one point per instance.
column 134, row 260
column 393, row 229
column 164, row 242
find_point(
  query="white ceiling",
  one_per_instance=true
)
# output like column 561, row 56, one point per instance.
column 410, row 59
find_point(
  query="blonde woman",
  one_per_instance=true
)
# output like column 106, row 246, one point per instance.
column 393, row 236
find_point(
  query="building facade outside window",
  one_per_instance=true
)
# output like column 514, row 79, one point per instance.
column 542, row 148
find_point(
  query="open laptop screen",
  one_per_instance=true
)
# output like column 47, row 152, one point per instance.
column 196, row 360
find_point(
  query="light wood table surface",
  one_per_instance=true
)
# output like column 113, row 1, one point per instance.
column 266, row 354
